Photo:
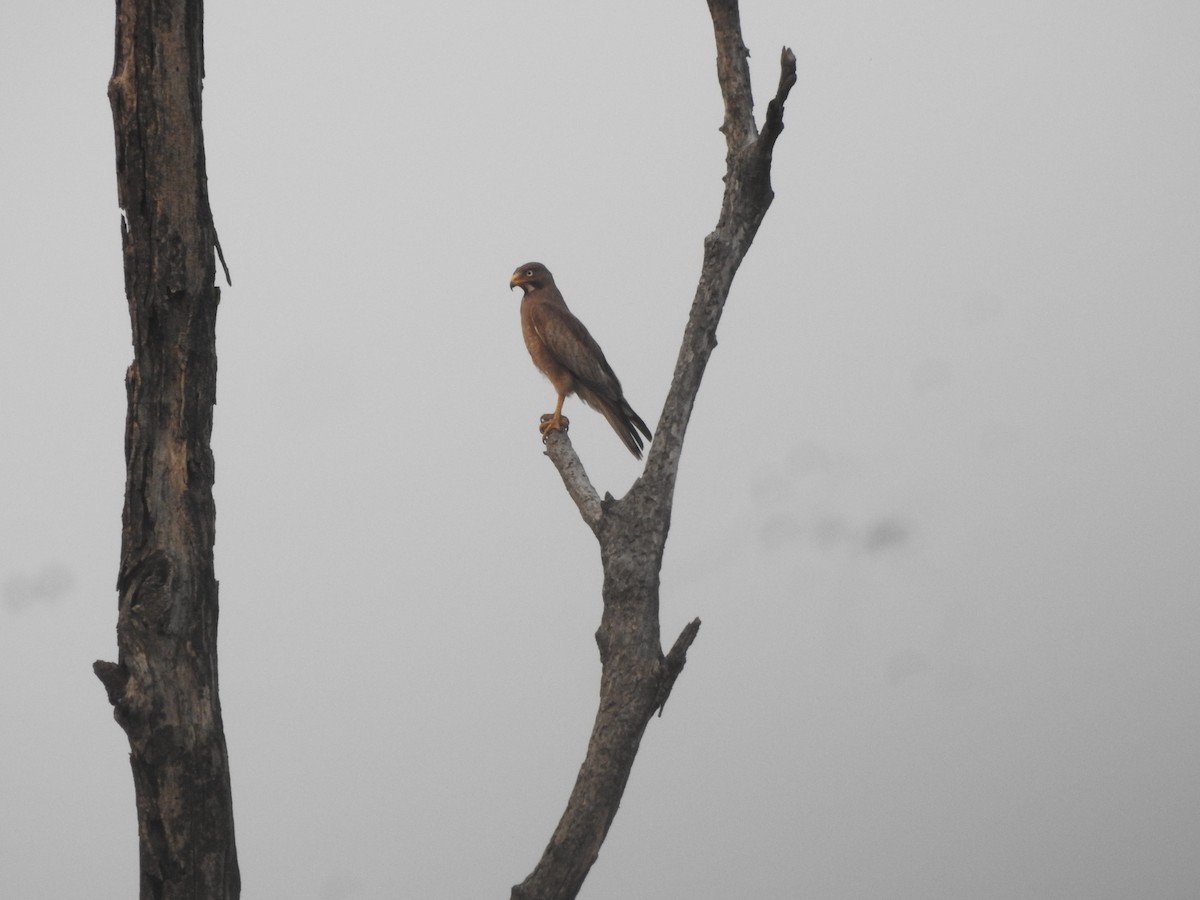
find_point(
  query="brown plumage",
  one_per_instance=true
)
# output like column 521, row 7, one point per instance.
column 570, row 357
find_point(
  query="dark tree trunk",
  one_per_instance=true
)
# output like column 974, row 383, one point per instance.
column 636, row 677
column 163, row 687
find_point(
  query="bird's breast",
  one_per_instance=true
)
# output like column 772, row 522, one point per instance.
column 540, row 352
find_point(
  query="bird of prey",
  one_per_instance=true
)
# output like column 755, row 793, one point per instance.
column 570, row 357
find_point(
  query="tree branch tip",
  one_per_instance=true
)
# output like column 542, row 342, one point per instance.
column 678, row 654
column 787, row 73
column 113, row 676
column 674, row 661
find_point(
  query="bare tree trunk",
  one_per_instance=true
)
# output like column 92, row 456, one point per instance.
column 636, row 677
column 163, row 687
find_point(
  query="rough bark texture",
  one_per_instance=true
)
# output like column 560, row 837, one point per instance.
column 636, row 677
column 163, row 687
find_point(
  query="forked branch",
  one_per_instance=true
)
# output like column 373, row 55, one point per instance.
column 636, row 676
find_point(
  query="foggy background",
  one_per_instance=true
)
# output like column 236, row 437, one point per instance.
column 938, row 506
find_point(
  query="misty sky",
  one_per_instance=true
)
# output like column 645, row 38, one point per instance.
column 938, row 510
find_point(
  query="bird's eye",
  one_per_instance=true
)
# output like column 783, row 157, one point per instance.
column 529, row 273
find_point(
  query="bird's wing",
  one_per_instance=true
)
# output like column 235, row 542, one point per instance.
column 573, row 348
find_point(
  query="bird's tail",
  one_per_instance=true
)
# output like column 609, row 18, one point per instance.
column 624, row 421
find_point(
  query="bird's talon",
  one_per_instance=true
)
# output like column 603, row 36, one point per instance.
column 550, row 423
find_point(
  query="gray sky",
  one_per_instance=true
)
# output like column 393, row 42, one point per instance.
column 938, row 510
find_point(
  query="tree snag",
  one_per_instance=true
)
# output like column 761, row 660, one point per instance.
column 636, row 677
column 163, row 687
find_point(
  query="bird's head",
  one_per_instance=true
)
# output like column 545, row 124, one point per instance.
column 530, row 277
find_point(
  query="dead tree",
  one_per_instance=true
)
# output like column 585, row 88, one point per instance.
column 163, row 687
column 636, row 676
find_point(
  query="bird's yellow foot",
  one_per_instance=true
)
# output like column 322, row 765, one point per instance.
column 551, row 422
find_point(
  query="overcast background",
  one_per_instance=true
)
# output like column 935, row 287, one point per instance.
column 939, row 508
